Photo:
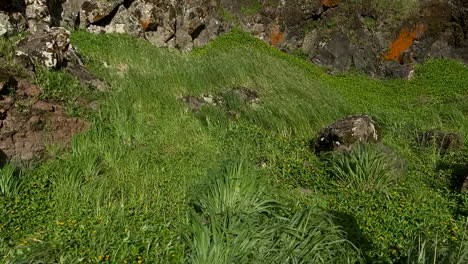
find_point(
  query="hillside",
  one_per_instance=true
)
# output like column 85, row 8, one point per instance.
column 206, row 157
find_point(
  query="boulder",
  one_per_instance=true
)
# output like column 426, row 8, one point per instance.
column 345, row 133
column 443, row 141
column 49, row 48
column 98, row 12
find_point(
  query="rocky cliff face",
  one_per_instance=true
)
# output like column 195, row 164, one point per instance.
column 380, row 38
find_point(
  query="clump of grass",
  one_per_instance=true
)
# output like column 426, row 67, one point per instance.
column 364, row 168
column 9, row 181
column 236, row 219
column 424, row 252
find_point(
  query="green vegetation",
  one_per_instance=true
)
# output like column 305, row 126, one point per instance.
column 236, row 219
column 364, row 169
column 10, row 181
column 251, row 8
column 152, row 182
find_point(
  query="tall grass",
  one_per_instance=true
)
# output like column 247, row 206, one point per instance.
column 123, row 188
column 236, row 219
column 10, row 181
column 365, row 168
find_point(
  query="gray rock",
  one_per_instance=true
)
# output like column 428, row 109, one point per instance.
column 68, row 14
column 345, row 133
column 37, row 15
column 6, row 28
column 53, row 50
column 98, row 12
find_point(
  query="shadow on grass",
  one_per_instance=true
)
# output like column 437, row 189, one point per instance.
column 349, row 224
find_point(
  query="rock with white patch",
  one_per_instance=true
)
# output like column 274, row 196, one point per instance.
column 343, row 134
column 49, row 48
column 53, row 50
column 37, row 15
column 6, row 28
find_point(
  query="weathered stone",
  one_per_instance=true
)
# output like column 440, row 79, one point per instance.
column 345, row 133
column 6, row 28
column 441, row 140
column 49, row 48
column 67, row 13
column 100, row 12
column 37, row 15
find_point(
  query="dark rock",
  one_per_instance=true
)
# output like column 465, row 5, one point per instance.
column 6, row 79
column 345, row 133
column 441, row 140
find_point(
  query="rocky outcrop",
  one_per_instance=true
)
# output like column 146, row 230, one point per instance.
column 382, row 40
column 37, row 15
column 343, row 134
column 52, row 49
column 28, row 124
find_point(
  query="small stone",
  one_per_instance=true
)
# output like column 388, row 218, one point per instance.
column 441, row 140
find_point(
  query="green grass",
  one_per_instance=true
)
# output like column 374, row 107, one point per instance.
column 125, row 187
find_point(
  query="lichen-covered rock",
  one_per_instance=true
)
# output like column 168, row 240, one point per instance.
column 441, row 140
column 49, row 48
column 37, row 15
column 53, row 50
column 66, row 13
column 98, row 12
column 345, row 133
column 6, row 28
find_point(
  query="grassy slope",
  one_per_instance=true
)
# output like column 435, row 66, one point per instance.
column 121, row 191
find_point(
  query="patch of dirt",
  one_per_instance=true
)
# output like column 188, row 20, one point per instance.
column 29, row 124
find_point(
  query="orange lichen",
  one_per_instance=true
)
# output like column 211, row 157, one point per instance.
column 331, row 3
column 97, row 18
column 403, row 42
column 145, row 24
column 276, row 36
